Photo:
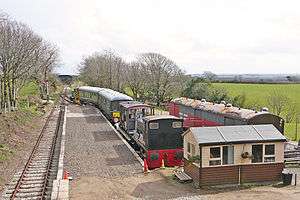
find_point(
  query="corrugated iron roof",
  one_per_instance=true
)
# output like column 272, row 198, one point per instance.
column 236, row 134
column 218, row 108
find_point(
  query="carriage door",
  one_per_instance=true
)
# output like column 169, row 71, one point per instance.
column 131, row 120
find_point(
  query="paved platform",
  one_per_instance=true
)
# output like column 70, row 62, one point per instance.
column 93, row 149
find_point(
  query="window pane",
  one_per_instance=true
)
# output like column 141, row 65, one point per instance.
column 270, row 149
column 153, row 125
column 257, row 152
column 177, row 124
column 193, row 149
column 215, row 152
column 214, row 162
column 269, row 159
column 228, row 155
column 189, row 147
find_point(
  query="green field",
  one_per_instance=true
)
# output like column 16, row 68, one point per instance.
column 258, row 93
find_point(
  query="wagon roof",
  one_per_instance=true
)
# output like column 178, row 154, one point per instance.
column 236, row 134
column 130, row 104
column 159, row 117
column 219, row 108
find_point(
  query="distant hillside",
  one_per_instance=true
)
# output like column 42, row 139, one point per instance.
column 254, row 78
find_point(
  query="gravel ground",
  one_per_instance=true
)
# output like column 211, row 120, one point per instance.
column 93, row 148
column 103, row 168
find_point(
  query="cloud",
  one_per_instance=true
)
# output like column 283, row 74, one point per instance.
column 221, row 36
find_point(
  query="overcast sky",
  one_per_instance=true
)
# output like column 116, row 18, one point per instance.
column 230, row 36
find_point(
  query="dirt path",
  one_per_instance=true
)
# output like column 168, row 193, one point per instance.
column 157, row 186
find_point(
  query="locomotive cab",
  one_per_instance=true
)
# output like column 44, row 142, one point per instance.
column 161, row 137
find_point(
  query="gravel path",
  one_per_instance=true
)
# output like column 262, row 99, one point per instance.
column 93, row 148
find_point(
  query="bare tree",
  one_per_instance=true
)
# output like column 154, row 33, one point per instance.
column 209, row 76
column 163, row 76
column 277, row 101
column 103, row 69
column 136, row 80
column 22, row 53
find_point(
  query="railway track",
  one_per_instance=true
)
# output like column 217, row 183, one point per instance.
column 36, row 179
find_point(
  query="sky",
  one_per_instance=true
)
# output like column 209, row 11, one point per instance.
column 222, row 36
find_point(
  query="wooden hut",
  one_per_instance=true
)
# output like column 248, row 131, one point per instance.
column 233, row 154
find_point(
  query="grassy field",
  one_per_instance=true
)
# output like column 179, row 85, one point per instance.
column 258, row 93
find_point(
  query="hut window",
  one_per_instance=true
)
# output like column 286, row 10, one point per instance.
column 269, row 153
column 228, row 155
column 257, row 152
column 215, row 156
column 191, row 149
column 153, row 125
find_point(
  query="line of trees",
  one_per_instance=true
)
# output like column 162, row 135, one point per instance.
column 151, row 76
column 24, row 56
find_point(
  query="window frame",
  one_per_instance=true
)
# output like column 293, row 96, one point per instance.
column 153, row 123
column 264, row 155
column 221, row 156
column 215, row 159
column 175, row 124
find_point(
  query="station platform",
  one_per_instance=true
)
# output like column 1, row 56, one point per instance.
column 94, row 149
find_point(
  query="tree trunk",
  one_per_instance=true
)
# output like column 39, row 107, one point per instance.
column 1, row 94
column 9, row 99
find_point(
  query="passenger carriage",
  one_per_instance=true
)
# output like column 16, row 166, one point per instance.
column 198, row 113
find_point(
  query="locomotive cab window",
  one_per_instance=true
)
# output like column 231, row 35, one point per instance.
column 176, row 124
column 153, row 125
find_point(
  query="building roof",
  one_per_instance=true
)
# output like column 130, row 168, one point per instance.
column 109, row 94
column 236, row 134
column 222, row 108
column 130, row 104
column 159, row 117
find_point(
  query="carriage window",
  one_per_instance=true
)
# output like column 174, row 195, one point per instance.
column 177, row 124
column 153, row 125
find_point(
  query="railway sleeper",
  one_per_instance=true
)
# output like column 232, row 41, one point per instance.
column 29, row 171
column 27, row 195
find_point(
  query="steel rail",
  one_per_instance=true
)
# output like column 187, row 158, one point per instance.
column 35, row 148
column 58, row 127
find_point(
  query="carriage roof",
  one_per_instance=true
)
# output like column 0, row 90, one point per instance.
column 109, row 94
column 219, row 108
